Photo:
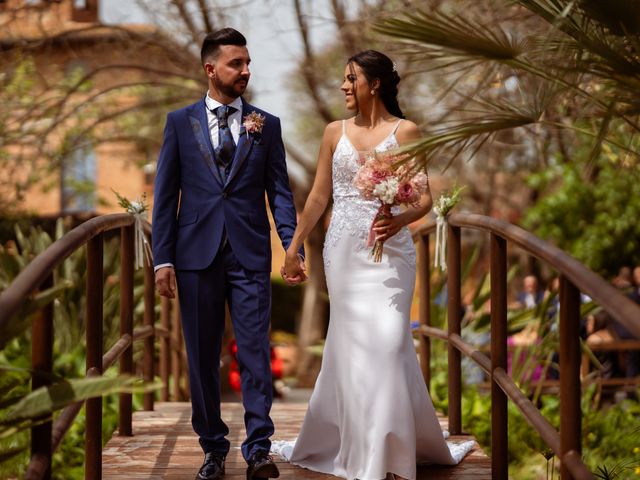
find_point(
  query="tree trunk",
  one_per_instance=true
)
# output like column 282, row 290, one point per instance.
column 313, row 319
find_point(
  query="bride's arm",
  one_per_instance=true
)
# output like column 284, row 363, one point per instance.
column 316, row 202
column 387, row 228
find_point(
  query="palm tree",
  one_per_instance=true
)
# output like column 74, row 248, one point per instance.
column 571, row 64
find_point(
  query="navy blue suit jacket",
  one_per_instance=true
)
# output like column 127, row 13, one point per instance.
column 192, row 206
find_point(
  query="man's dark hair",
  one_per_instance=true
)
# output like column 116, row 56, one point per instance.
column 224, row 36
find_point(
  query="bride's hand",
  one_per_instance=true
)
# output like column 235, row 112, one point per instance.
column 293, row 271
column 388, row 227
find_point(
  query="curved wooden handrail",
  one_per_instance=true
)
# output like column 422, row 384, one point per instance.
column 602, row 292
column 574, row 278
column 34, row 274
column 38, row 275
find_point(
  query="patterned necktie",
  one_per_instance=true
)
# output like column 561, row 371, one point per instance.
column 226, row 146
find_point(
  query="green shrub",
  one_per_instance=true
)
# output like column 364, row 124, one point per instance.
column 69, row 299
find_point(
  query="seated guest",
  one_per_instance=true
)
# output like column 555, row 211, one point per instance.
column 623, row 280
column 531, row 295
column 600, row 331
column 635, row 291
column 631, row 357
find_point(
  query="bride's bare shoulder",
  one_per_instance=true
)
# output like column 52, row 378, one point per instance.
column 407, row 131
column 332, row 133
column 334, row 127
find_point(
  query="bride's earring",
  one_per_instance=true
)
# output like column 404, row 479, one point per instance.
column 373, row 92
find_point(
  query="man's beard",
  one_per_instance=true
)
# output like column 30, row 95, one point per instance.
column 233, row 90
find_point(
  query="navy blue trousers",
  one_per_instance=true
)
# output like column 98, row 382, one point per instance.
column 202, row 302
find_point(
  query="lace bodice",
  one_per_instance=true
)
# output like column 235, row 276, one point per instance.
column 352, row 213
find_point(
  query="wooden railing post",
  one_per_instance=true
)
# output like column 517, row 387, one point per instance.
column 93, row 432
column 424, row 307
column 499, row 417
column 570, row 410
column 165, row 347
column 149, row 320
column 42, row 365
column 126, row 324
column 453, row 321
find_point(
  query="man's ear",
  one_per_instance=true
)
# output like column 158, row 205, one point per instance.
column 210, row 69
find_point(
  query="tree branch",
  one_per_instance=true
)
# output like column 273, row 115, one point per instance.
column 308, row 70
column 341, row 22
column 206, row 18
column 187, row 20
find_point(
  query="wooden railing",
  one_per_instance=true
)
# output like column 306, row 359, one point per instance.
column 38, row 275
column 574, row 278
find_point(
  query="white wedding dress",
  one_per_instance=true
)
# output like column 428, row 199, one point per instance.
column 370, row 413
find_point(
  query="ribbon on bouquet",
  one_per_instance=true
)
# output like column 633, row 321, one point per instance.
column 440, row 259
column 142, row 249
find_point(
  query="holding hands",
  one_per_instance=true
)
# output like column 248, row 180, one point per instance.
column 294, row 270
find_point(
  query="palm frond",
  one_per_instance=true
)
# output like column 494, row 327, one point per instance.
column 444, row 35
column 596, row 27
column 469, row 134
column 32, row 408
column 581, row 52
column 10, row 453
column 605, row 472
column 447, row 40
column 22, row 319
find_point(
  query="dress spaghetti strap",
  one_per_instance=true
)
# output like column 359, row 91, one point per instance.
column 393, row 132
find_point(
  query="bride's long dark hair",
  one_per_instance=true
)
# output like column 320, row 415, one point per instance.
column 374, row 65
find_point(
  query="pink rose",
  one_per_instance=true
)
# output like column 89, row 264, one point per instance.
column 376, row 176
column 408, row 194
column 420, row 182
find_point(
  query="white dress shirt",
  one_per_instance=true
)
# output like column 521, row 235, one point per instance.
column 233, row 120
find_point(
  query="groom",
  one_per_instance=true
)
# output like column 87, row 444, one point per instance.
column 211, row 233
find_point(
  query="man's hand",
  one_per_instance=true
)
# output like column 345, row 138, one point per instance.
column 166, row 282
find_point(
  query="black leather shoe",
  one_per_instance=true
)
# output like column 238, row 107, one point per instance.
column 212, row 468
column 261, row 465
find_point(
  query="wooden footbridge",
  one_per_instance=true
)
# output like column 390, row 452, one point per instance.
column 167, row 449
column 158, row 443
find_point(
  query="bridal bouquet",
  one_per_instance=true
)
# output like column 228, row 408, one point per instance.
column 380, row 179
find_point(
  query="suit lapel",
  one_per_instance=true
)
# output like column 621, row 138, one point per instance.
column 200, row 128
column 245, row 142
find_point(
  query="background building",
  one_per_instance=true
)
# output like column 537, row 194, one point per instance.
column 105, row 88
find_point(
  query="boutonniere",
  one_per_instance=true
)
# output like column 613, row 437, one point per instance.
column 253, row 122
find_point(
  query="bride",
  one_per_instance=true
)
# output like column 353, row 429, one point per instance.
column 370, row 416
